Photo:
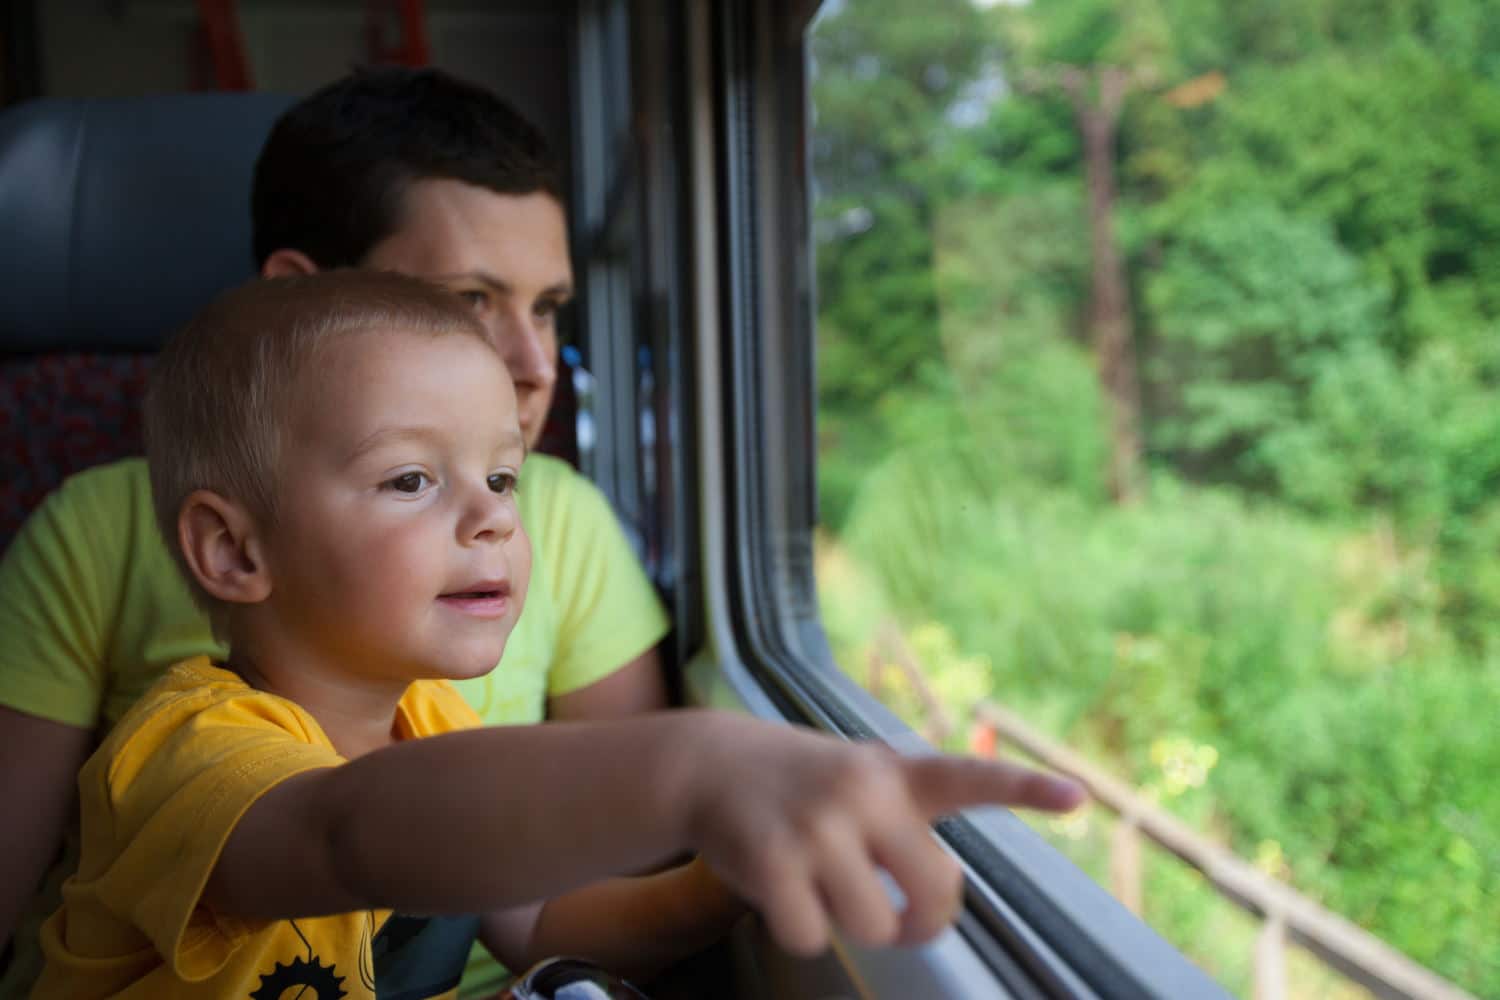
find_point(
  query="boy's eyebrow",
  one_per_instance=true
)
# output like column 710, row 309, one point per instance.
column 514, row 440
column 390, row 434
column 560, row 290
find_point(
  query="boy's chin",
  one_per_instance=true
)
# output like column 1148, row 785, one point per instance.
column 470, row 663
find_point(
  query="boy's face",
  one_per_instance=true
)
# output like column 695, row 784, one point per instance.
column 508, row 256
column 397, row 548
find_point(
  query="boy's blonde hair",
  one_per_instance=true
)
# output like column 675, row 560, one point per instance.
column 221, row 392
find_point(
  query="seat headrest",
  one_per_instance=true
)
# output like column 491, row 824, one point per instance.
column 122, row 217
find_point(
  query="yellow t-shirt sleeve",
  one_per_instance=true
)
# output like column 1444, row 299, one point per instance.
column 56, row 601
column 608, row 612
column 165, row 801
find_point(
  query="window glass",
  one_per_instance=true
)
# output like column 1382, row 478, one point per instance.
column 1158, row 347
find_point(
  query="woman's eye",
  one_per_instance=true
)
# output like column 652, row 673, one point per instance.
column 476, row 299
column 408, row 482
column 503, row 483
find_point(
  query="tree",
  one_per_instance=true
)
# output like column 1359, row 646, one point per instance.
column 1250, row 306
column 1095, row 53
column 1401, row 171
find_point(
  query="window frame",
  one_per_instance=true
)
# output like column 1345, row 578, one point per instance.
column 630, row 231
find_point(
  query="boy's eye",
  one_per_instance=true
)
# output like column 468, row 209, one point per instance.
column 503, row 483
column 407, row 482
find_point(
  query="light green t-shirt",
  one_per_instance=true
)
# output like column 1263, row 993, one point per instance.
column 92, row 611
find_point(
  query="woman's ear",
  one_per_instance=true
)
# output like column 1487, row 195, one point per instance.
column 221, row 545
column 286, row 263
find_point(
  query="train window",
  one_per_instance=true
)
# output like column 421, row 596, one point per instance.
column 1154, row 438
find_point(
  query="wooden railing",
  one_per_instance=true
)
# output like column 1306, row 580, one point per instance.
column 1284, row 913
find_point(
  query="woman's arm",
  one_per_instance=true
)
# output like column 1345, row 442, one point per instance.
column 634, row 927
column 39, row 762
column 635, row 687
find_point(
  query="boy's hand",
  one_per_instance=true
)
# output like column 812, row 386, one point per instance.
column 801, row 825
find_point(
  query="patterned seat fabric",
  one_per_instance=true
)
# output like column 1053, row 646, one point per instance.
column 60, row 414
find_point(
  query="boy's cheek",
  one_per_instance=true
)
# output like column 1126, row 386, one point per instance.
column 519, row 551
column 379, row 566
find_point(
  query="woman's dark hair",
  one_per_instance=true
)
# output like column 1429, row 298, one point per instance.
column 331, row 177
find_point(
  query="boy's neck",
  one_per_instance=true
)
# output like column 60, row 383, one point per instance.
column 357, row 712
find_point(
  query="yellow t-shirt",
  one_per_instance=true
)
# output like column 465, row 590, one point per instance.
column 92, row 610
column 160, row 798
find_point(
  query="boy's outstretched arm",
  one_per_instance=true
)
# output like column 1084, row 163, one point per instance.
column 798, row 824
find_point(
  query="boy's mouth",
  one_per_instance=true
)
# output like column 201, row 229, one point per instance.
column 482, row 599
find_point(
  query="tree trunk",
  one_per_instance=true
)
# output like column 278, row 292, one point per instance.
column 1109, row 296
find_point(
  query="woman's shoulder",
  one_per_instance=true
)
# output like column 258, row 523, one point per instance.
column 554, row 493
column 107, row 513
column 101, row 493
column 548, row 474
column 127, row 477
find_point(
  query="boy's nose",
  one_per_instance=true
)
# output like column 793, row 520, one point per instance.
column 489, row 517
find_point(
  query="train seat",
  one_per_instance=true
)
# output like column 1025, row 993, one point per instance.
column 121, row 218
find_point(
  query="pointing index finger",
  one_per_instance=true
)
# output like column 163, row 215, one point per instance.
column 943, row 784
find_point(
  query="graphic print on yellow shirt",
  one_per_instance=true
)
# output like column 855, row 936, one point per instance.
column 411, row 958
column 160, row 799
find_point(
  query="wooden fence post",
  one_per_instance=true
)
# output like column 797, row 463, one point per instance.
column 1270, row 959
column 1125, row 862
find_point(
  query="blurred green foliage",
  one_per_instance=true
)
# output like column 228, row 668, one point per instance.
column 1294, row 640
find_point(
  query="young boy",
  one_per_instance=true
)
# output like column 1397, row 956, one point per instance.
column 334, row 462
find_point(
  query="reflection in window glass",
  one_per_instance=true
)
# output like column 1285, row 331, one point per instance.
column 1158, row 347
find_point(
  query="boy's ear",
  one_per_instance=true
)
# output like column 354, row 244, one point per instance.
column 221, row 545
column 287, row 263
